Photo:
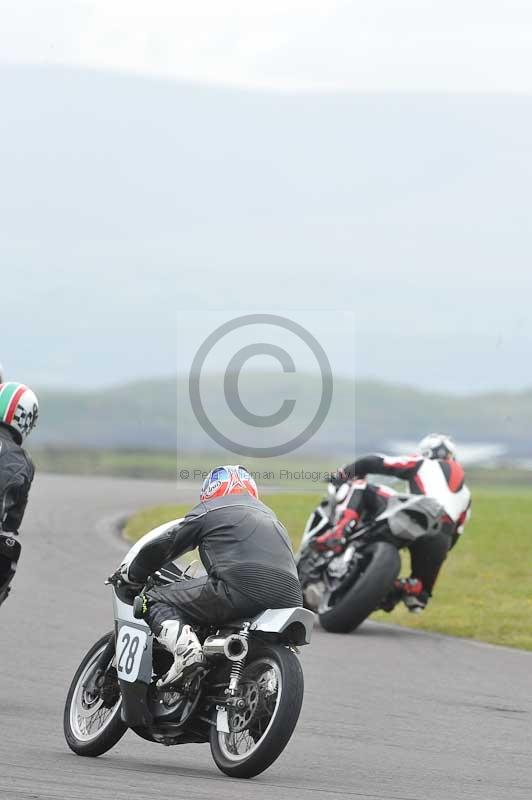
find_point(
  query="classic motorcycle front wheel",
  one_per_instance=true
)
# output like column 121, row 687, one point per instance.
column 380, row 568
column 92, row 723
column 272, row 687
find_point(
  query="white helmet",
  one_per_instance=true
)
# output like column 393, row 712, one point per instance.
column 19, row 408
column 437, row 445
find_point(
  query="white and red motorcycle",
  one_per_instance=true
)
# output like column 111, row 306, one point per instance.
column 344, row 589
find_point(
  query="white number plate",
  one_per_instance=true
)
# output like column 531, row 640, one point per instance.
column 129, row 649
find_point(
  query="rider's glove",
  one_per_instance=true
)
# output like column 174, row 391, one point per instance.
column 335, row 540
column 332, row 540
column 120, row 576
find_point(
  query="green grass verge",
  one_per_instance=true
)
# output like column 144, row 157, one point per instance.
column 115, row 463
column 299, row 474
column 485, row 587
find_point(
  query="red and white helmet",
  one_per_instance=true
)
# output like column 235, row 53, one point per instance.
column 229, row 479
column 19, row 408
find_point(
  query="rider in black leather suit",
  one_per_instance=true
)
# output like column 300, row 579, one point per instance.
column 247, row 556
column 18, row 415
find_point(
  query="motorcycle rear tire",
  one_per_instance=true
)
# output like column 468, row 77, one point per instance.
column 282, row 724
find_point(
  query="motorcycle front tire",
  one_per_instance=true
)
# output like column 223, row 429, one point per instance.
column 368, row 590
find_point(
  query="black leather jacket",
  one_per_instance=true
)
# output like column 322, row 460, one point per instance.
column 16, row 475
column 240, row 541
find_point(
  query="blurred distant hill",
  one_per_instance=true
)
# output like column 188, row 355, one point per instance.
column 146, row 415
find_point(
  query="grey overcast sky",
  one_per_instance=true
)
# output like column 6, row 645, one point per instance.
column 168, row 156
column 365, row 45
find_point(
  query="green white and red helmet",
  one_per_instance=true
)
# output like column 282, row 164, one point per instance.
column 19, row 408
column 229, row 479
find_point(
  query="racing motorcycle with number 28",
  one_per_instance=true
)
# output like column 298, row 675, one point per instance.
column 246, row 703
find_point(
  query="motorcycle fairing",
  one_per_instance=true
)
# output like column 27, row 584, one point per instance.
column 135, row 707
column 412, row 516
column 317, row 523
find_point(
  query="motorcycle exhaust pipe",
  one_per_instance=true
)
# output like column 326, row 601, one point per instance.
column 234, row 647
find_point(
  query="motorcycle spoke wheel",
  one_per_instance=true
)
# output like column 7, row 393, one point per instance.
column 263, row 688
column 272, row 687
column 88, row 715
column 92, row 722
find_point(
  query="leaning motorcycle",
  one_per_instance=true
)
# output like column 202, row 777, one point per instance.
column 245, row 704
column 345, row 589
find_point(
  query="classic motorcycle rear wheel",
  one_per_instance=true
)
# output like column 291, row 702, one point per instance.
column 272, row 685
column 91, row 728
column 370, row 587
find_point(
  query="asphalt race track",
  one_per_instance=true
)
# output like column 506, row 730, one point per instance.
column 388, row 713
